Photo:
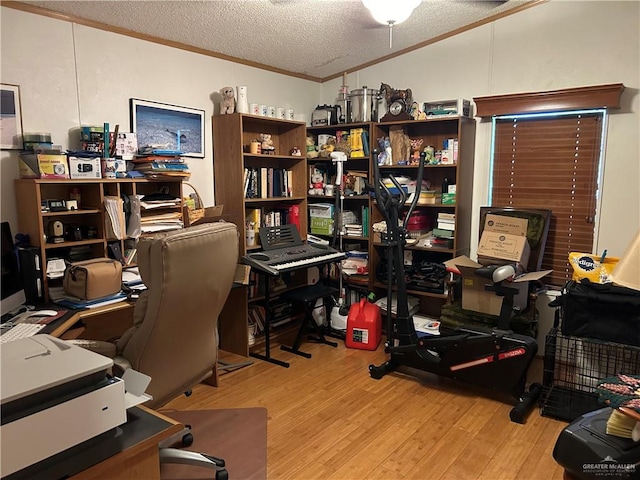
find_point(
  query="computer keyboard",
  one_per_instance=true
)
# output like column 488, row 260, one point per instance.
column 21, row 330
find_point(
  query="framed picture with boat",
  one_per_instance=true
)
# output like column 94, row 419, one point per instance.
column 165, row 127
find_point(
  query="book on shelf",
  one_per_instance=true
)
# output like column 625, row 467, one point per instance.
column 267, row 182
column 130, row 255
column 253, row 218
column 264, row 182
column 160, row 166
column 142, row 159
column 446, row 225
column 294, row 216
column 444, row 233
column 365, row 142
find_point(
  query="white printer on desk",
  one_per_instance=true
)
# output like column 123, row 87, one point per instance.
column 55, row 395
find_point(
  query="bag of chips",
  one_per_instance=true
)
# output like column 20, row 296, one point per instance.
column 592, row 267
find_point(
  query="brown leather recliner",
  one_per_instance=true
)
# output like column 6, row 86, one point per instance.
column 174, row 340
column 188, row 274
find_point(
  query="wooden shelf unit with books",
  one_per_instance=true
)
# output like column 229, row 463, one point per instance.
column 232, row 162
column 357, row 169
column 433, row 132
column 88, row 221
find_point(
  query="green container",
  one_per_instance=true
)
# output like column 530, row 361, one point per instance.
column 448, row 198
column 321, row 226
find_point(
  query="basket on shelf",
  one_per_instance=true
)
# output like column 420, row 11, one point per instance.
column 191, row 214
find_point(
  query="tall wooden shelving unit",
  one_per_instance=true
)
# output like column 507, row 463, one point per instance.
column 353, row 203
column 232, row 135
column 30, row 193
column 433, row 131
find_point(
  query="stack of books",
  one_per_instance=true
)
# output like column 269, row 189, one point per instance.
column 353, row 230
column 161, row 165
column 446, row 225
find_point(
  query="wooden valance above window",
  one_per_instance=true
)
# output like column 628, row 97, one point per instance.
column 598, row 96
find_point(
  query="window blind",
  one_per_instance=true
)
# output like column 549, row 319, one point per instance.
column 551, row 161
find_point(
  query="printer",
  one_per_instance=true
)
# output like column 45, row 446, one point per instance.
column 56, row 397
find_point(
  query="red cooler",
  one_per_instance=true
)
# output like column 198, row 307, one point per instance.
column 364, row 326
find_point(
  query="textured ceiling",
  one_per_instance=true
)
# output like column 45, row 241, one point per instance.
column 316, row 39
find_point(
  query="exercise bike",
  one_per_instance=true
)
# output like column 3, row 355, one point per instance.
column 497, row 359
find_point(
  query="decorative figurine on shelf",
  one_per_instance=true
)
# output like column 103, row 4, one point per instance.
column 384, row 157
column 327, row 148
column 416, row 113
column 317, row 184
column 400, row 144
column 416, row 143
column 295, row 151
column 267, row 144
column 398, row 103
column 312, row 149
column 228, row 103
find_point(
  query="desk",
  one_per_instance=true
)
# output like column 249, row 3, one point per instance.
column 140, row 458
column 138, row 442
column 103, row 323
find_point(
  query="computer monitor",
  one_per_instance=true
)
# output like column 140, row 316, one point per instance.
column 13, row 295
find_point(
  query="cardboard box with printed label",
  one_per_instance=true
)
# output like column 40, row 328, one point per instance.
column 40, row 165
column 321, row 210
column 502, row 248
column 476, row 298
column 504, row 240
column 321, row 226
column 84, row 167
column 503, row 224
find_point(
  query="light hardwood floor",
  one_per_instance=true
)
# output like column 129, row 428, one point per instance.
column 328, row 419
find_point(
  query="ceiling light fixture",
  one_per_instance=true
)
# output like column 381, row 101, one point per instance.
column 388, row 12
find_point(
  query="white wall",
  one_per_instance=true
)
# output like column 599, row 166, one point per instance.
column 71, row 75
column 555, row 45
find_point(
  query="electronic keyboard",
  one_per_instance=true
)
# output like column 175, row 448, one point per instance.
column 284, row 251
column 275, row 262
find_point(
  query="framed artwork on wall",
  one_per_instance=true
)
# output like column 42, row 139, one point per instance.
column 10, row 117
column 168, row 127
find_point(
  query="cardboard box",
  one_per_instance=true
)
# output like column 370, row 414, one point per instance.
column 321, row 210
column 504, row 224
column 499, row 248
column 477, row 299
column 39, row 165
column 321, row 226
column 84, row 167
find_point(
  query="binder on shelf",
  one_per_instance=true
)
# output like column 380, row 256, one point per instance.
column 114, row 218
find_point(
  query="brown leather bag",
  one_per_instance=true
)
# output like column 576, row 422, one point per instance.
column 92, row 279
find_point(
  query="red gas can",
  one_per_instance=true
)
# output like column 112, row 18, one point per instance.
column 364, row 326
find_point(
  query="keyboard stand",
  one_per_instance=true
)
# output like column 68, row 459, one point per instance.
column 267, row 329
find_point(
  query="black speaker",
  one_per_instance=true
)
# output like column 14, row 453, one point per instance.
column 31, row 271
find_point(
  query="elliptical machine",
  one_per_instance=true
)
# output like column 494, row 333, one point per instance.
column 497, row 359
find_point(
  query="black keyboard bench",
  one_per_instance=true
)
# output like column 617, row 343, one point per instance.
column 308, row 296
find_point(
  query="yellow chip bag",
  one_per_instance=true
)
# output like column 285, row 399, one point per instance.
column 586, row 265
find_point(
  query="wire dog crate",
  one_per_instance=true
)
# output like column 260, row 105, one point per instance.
column 573, row 366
